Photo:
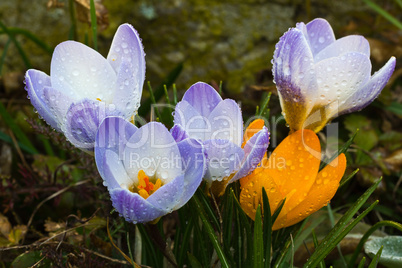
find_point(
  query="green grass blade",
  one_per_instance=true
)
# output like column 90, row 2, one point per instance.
column 315, row 241
column 258, row 244
column 384, row 13
column 335, row 235
column 94, row 25
column 346, row 179
column 193, row 261
column 267, row 229
column 32, row 37
column 152, row 97
column 17, row 45
column 362, row 262
column 210, row 231
column 73, row 28
column 369, row 232
column 3, row 56
column 6, row 138
column 374, row 261
column 265, row 104
column 21, row 137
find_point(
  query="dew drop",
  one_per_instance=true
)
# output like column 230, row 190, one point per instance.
column 321, row 40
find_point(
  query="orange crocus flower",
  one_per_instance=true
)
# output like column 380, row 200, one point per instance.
column 292, row 172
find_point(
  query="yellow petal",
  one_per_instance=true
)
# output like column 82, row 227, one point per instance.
column 294, row 166
column 322, row 191
column 251, row 193
column 295, row 112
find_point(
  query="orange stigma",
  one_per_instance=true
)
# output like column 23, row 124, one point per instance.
column 145, row 188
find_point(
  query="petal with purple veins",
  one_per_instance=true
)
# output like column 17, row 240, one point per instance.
column 202, row 97
column 223, row 158
column 35, row 82
column 194, row 164
column 178, row 133
column 133, row 207
column 320, row 35
column 368, row 92
column 254, row 150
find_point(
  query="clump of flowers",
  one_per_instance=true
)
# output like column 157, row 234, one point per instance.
column 83, row 87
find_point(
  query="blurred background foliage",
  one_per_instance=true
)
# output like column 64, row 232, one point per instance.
column 48, row 187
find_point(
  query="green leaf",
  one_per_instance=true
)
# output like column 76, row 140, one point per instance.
column 258, row 244
column 28, row 259
column 267, row 231
column 17, row 45
column 395, row 107
column 342, row 228
column 193, row 261
column 32, row 37
column 384, row 13
column 368, row 234
column 362, row 262
column 315, row 241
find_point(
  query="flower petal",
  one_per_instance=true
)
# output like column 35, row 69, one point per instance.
column 127, row 47
column 254, row 150
column 252, row 129
column 347, row 44
column 178, row 133
column 83, row 120
column 58, row 103
column 191, row 121
column 112, row 135
column 320, row 35
column 168, row 197
column 194, row 165
column 35, row 82
column 294, row 166
column 79, row 70
column 366, row 94
column 133, row 207
column 338, row 78
column 226, row 122
column 322, row 191
column 128, row 91
column 223, row 158
column 152, row 149
column 251, row 192
column 202, row 97
column 297, row 87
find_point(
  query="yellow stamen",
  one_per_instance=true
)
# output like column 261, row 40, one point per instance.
column 145, row 188
column 98, row 99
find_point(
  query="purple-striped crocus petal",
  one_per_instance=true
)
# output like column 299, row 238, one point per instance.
column 294, row 75
column 194, row 164
column 126, row 46
column 223, row 158
column 254, row 150
column 58, row 103
column 35, row 82
column 133, row 207
column 83, row 120
column 367, row 93
column 350, row 43
column 226, row 122
column 110, row 141
column 191, row 120
column 202, row 97
column 80, row 70
column 341, row 76
column 152, row 149
column 320, row 35
column 178, row 133
column 111, row 169
column 168, row 197
column 128, row 89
